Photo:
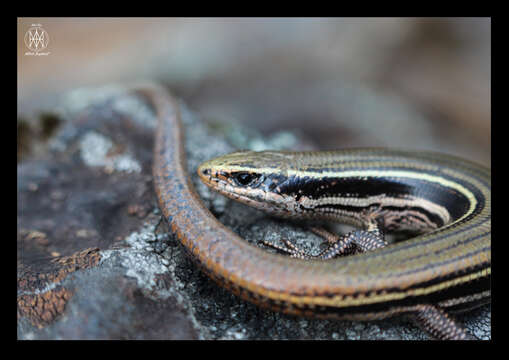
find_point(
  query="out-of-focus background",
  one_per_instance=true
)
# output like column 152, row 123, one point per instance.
column 421, row 83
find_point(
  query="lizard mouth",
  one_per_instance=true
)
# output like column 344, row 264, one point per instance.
column 223, row 187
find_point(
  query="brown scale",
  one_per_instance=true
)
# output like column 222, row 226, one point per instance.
column 303, row 287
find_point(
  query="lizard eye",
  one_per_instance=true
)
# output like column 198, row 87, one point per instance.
column 245, row 178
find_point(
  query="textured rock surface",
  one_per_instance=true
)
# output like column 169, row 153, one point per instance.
column 96, row 262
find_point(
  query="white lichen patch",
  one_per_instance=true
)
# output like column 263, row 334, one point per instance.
column 235, row 333
column 79, row 99
column 140, row 240
column 144, row 267
column 94, row 151
column 143, row 264
column 135, row 109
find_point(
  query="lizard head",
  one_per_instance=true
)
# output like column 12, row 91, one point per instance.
column 253, row 178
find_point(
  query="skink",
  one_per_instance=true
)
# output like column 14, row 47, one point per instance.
column 446, row 199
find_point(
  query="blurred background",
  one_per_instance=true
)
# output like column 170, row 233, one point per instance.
column 419, row 83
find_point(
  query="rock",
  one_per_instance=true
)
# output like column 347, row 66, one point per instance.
column 95, row 261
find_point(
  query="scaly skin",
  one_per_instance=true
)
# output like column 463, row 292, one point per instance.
column 446, row 198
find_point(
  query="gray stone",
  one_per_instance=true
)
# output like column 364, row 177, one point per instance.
column 135, row 281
